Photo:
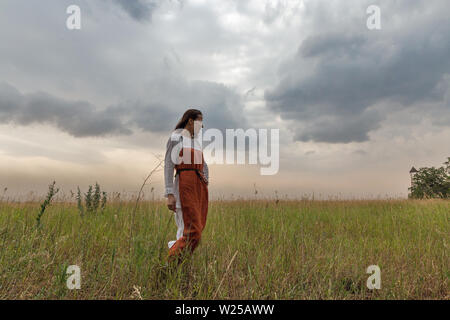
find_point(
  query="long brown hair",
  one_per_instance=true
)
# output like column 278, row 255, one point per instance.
column 189, row 114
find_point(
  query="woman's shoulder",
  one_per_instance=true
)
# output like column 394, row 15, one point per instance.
column 174, row 137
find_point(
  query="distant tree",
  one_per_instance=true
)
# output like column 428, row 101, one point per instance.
column 431, row 182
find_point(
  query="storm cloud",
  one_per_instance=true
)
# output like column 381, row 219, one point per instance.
column 83, row 119
column 140, row 10
column 312, row 64
column 78, row 118
column 334, row 84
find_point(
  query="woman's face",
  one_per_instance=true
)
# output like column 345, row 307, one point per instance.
column 194, row 126
column 198, row 124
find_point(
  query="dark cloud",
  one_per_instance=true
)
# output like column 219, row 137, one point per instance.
column 337, row 129
column 331, row 87
column 80, row 118
column 140, row 10
column 332, row 44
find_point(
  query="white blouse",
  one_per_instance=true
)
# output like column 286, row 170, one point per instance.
column 172, row 187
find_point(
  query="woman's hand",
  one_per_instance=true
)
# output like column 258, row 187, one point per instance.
column 171, row 202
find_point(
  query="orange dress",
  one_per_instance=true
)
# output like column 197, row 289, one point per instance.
column 193, row 192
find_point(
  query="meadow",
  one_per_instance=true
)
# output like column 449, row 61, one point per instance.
column 250, row 249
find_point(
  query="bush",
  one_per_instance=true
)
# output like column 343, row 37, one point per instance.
column 93, row 199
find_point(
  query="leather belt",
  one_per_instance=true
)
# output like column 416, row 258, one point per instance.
column 200, row 175
column 185, row 169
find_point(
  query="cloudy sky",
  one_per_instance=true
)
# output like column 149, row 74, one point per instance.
column 356, row 108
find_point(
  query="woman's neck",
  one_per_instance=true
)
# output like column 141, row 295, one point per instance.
column 188, row 133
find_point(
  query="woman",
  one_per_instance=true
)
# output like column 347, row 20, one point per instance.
column 188, row 195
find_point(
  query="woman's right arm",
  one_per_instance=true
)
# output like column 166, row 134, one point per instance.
column 168, row 169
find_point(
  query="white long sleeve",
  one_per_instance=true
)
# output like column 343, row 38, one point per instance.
column 169, row 168
column 206, row 170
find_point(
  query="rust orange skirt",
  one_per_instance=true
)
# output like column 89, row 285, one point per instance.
column 193, row 191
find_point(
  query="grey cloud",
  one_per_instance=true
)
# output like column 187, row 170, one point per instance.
column 140, row 10
column 169, row 97
column 120, row 78
column 331, row 86
column 279, row 10
column 272, row 12
column 337, row 129
column 80, row 118
column 332, row 44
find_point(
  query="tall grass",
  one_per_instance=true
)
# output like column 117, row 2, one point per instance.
column 282, row 250
column 50, row 194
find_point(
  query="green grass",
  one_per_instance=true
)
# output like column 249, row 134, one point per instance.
column 285, row 250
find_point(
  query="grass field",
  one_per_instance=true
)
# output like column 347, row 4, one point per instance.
column 282, row 250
